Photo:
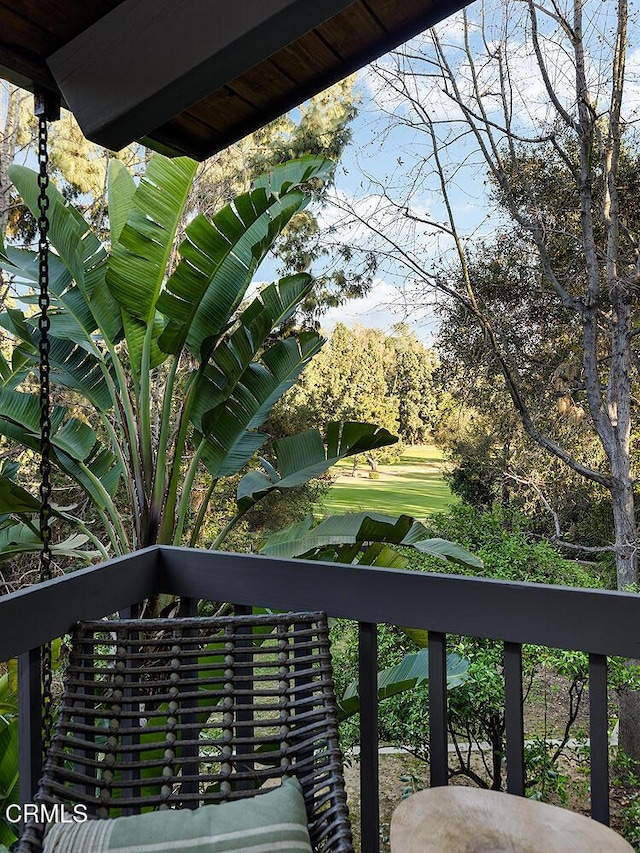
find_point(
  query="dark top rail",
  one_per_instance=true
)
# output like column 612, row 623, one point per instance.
column 598, row 622
column 32, row 616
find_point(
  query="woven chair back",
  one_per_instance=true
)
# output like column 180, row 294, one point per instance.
column 177, row 713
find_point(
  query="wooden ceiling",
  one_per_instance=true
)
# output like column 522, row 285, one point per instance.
column 185, row 76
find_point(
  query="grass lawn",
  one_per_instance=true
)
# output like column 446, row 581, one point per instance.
column 413, row 486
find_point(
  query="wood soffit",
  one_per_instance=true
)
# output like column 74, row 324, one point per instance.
column 193, row 76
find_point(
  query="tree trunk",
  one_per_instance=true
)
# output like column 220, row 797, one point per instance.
column 626, row 541
column 629, row 732
column 8, row 141
column 626, row 568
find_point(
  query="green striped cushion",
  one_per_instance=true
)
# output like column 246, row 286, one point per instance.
column 267, row 823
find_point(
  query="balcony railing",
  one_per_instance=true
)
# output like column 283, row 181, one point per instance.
column 600, row 623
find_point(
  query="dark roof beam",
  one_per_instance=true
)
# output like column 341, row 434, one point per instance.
column 149, row 60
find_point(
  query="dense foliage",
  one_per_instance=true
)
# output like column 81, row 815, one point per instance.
column 167, row 370
column 366, row 375
column 476, row 707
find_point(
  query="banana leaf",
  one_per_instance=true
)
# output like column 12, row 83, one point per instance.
column 339, row 532
column 142, row 246
column 219, row 258
column 300, row 458
column 79, row 250
column 19, row 538
column 411, row 672
column 230, row 430
column 245, row 343
column 9, row 791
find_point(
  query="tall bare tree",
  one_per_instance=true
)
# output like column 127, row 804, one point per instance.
column 528, row 96
column 12, row 136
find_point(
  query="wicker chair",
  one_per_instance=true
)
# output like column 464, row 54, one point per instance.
column 176, row 713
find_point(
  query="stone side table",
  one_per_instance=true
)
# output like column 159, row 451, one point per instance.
column 455, row 819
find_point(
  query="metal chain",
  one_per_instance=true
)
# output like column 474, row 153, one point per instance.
column 44, row 324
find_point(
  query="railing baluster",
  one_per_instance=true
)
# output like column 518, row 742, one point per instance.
column 368, row 692
column 514, row 718
column 438, row 741
column 599, row 738
column 29, row 724
column 188, row 607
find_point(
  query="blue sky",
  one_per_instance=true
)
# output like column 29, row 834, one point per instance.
column 389, row 157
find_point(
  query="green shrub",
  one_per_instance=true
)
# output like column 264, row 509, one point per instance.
column 402, row 718
column 476, row 708
column 501, row 538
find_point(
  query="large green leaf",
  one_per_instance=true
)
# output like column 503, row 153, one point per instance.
column 24, row 410
column 65, row 232
column 8, row 774
column 6, row 263
column 76, row 449
column 19, row 528
column 23, row 266
column 419, row 636
column 7, row 836
column 229, row 430
column 411, row 672
column 302, row 457
column 337, row 533
column 71, row 317
column 71, row 366
column 102, row 466
column 80, row 371
column 19, row 538
column 449, row 552
column 142, row 246
column 219, row 258
column 120, row 191
column 13, row 498
column 378, row 554
column 79, row 249
column 295, row 173
column 337, row 530
column 8, row 693
column 234, row 354
column 140, row 252
column 74, row 437
column 135, row 331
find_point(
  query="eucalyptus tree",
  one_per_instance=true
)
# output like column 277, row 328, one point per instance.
column 165, row 365
column 366, row 375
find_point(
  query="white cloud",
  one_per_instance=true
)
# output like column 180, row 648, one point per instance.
column 412, row 75
column 368, row 221
column 382, row 308
column 631, row 102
